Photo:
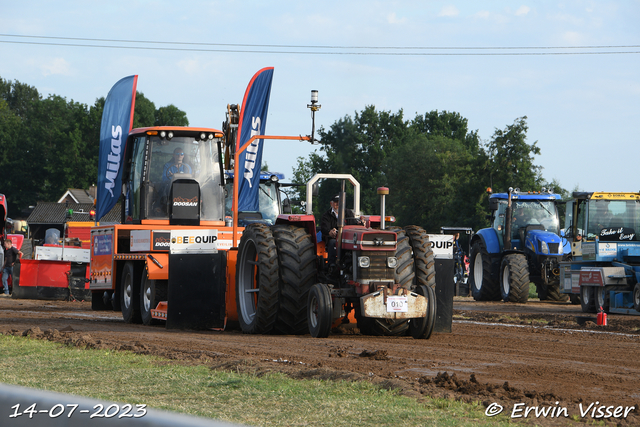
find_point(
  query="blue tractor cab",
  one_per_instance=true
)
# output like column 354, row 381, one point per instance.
column 270, row 202
column 522, row 245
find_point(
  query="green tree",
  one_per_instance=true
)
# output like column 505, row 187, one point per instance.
column 511, row 159
column 170, row 116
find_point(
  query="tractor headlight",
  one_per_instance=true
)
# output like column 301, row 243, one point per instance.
column 392, row 262
column 544, row 248
column 364, row 262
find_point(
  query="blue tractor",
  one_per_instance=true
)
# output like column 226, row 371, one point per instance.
column 522, row 246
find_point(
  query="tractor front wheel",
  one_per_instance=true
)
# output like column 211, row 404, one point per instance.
column 257, row 280
column 636, row 297
column 514, row 278
column 319, row 309
column 423, row 327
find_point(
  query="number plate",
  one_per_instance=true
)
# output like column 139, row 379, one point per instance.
column 397, row 304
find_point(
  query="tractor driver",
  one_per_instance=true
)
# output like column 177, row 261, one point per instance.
column 329, row 227
column 176, row 165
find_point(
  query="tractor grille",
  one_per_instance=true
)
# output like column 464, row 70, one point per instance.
column 553, row 248
column 378, row 269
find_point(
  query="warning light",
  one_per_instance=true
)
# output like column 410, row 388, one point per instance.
column 92, row 214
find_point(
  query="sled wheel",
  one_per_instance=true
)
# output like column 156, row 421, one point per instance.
column 151, row 293
column 587, row 299
column 130, row 293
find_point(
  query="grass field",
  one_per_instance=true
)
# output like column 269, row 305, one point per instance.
column 270, row 400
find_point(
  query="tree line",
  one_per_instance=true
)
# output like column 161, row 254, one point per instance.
column 437, row 169
column 48, row 145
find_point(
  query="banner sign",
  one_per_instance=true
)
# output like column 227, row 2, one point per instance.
column 252, row 121
column 194, row 241
column 117, row 120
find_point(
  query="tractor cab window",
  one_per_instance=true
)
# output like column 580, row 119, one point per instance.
column 541, row 213
column 613, row 214
column 268, row 201
column 184, row 157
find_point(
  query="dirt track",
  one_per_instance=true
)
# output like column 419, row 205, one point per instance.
column 531, row 353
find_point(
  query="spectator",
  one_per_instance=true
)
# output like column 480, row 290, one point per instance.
column 10, row 256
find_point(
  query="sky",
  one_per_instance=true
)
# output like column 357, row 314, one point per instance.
column 572, row 67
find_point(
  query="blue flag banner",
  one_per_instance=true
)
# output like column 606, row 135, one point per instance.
column 117, row 120
column 252, row 121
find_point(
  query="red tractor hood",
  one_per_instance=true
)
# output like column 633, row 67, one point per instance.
column 356, row 237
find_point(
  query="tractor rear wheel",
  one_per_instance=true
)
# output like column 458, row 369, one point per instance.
column 587, row 298
column 298, row 273
column 514, row 278
column 422, row 328
column 319, row 310
column 130, row 293
column 423, row 259
column 483, row 286
column 257, row 280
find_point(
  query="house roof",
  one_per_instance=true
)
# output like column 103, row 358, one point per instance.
column 77, row 195
column 56, row 213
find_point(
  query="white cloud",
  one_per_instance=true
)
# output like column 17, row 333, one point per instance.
column 483, row 14
column 393, row 19
column 190, row 66
column 449, row 11
column 56, row 66
column 572, row 37
column 522, row 10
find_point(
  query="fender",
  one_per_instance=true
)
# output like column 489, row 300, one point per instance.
column 301, row 220
column 489, row 237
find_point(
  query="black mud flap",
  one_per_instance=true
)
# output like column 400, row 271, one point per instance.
column 197, row 284
column 445, row 288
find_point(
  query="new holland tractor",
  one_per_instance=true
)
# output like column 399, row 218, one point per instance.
column 604, row 270
column 521, row 246
column 384, row 277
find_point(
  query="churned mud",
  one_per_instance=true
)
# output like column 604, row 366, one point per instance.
column 518, row 356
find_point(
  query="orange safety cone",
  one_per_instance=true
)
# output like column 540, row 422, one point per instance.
column 601, row 319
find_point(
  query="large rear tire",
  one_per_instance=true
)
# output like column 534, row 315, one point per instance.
column 483, row 286
column 319, row 309
column 257, row 280
column 422, row 328
column 423, row 259
column 298, row 273
column 587, row 299
column 514, row 278
column 130, row 294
